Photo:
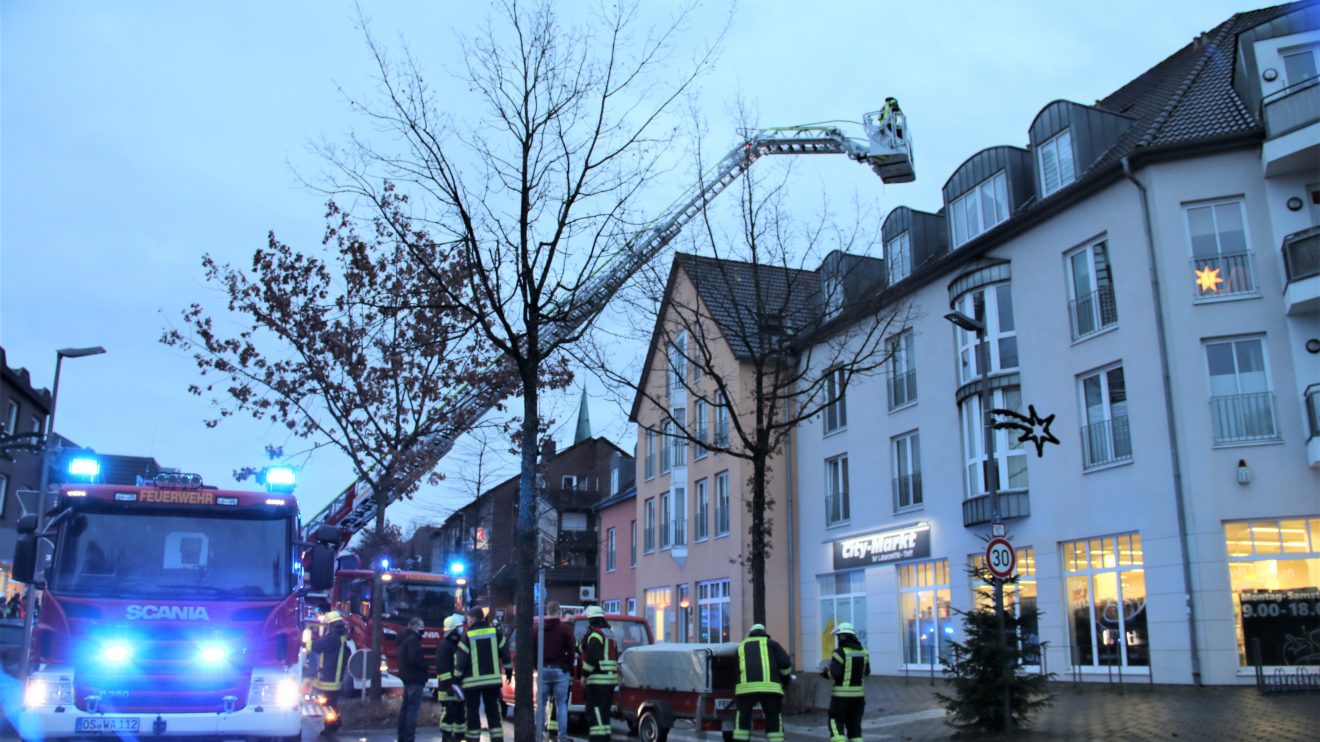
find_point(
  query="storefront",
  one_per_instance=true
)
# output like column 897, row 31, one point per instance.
column 1274, row 571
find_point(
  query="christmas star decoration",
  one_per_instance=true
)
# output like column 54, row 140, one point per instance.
column 1035, row 428
column 1208, row 279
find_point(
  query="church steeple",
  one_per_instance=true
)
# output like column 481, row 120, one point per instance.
column 584, row 420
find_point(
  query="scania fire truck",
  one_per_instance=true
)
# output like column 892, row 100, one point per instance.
column 167, row 609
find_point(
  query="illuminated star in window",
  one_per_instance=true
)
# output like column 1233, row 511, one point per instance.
column 1208, row 279
column 1035, row 428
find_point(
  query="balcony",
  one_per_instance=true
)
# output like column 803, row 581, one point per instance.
column 976, row 510
column 1106, row 442
column 580, row 542
column 1312, row 398
column 1233, row 271
column 1244, row 418
column 1093, row 312
column 571, row 499
column 1292, row 136
column 1301, row 264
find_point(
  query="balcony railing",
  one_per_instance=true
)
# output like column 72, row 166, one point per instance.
column 1312, row 411
column 1229, row 274
column 1292, row 108
column 902, row 389
column 907, row 492
column 1241, row 418
column 578, row 541
column 679, row 528
column 837, row 509
column 561, row 498
column 1106, row 442
column 1301, row 254
column 976, row 510
column 1093, row 312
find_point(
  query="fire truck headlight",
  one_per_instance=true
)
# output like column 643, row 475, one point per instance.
column 36, row 693
column 213, row 654
column 48, row 692
column 286, row 693
column 116, row 653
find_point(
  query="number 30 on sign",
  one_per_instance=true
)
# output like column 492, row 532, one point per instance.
column 1000, row 558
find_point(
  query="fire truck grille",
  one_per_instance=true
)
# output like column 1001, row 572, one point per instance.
column 155, row 691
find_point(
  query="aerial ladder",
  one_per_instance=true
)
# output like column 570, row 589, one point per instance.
column 887, row 149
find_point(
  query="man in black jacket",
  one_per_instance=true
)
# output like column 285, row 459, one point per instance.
column 412, row 671
column 453, row 719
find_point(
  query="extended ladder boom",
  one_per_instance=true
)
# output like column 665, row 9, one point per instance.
column 888, row 151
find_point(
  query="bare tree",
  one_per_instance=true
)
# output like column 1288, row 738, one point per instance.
column 766, row 331
column 535, row 196
column 359, row 349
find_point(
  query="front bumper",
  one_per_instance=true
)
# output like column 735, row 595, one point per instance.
column 271, row 722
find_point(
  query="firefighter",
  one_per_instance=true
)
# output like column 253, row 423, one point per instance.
column 450, row 695
column 331, row 652
column 599, row 669
column 482, row 658
column 849, row 665
column 764, row 669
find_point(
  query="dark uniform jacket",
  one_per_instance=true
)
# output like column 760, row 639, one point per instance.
column 482, row 656
column 849, row 664
column 763, row 666
column 332, row 657
column 445, row 662
column 412, row 668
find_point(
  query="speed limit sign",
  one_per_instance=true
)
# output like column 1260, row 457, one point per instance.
column 1000, row 558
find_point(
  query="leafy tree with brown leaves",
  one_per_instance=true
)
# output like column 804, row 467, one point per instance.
column 354, row 345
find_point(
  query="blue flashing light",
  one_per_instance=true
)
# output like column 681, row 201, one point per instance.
column 457, row 568
column 948, row 630
column 117, row 653
column 280, row 479
column 85, row 466
column 213, row 654
column 385, row 563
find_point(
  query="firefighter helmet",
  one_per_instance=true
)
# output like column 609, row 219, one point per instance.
column 594, row 612
column 332, row 617
column 845, row 628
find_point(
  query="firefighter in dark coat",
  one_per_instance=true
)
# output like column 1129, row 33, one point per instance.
column 453, row 726
column 764, row 669
column 599, row 653
column 849, row 666
column 482, row 658
column 331, row 652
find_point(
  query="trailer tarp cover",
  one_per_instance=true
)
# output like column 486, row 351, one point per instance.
column 673, row 667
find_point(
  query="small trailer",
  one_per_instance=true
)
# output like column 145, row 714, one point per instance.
column 664, row 684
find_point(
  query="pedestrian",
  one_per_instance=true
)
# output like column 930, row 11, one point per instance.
column 331, row 652
column 849, row 665
column 482, row 655
column 413, row 672
column 450, row 694
column 14, row 606
column 557, row 655
column 599, row 669
column 764, row 670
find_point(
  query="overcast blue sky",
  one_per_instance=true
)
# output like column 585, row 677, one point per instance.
column 135, row 136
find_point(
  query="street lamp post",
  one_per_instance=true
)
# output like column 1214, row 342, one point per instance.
column 47, row 454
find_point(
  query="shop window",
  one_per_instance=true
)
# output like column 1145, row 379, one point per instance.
column 926, row 616
column 842, row 600
column 713, row 611
column 1106, row 583
column 1274, row 572
column 659, row 612
column 1019, row 599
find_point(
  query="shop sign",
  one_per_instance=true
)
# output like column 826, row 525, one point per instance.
column 1286, row 623
column 882, row 547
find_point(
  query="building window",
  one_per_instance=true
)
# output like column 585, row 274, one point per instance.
column 4, row 494
column 902, row 370
column 927, row 620
column 993, row 307
column 632, row 544
column 1106, row 434
column 574, row 522
column 611, row 607
column 569, row 482
column 1106, row 583
column 37, row 423
column 713, row 611
column 1274, row 568
column 701, row 530
column 1019, row 600
column 680, row 516
column 721, row 421
column 1241, row 401
column 980, row 209
column 679, row 440
column 1221, row 256
column 722, row 504
column 1091, row 306
column 11, row 417
column 1299, row 63
column 700, row 424
column 650, row 454
column 836, row 405
column 842, row 600
column 609, row 550
column 907, row 472
column 678, row 364
column 659, row 611
column 666, row 438
column 666, row 525
column 632, row 606
column 1056, row 162
column 898, row 258
column 837, row 508
column 649, row 526
column 1010, row 452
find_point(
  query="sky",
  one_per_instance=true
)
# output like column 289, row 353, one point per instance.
column 136, row 136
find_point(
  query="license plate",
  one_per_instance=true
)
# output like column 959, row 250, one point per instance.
column 722, row 704
column 105, row 725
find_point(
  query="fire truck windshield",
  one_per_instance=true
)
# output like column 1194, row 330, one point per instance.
column 171, row 555
column 431, row 603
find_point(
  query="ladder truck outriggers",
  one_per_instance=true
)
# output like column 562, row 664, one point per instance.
column 887, row 149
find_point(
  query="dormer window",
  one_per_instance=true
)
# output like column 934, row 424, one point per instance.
column 1299, row 63
column 1056, row 162
column 898, row 258
column 979, row 209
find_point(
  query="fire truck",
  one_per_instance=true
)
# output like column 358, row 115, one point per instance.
column 167, row 608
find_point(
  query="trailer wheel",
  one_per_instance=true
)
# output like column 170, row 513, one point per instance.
column 649, row 728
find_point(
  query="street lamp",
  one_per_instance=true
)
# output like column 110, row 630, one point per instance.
column 47, row 454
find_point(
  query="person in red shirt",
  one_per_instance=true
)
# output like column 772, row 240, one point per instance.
column 557, row 656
